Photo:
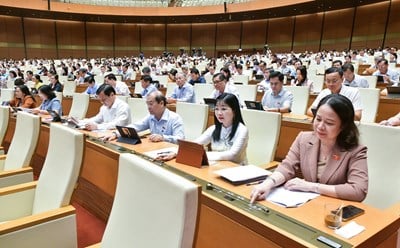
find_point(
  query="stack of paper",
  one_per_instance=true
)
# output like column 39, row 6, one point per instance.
column 243, row 174
column 290, row 199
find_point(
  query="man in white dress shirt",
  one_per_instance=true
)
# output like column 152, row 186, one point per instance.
column 120, row 87
column 222, row 86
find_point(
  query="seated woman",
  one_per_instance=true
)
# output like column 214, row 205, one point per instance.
column 49, row 101
column 229, row 136
column 23, row 98
column 330, row 158
column 302, row 79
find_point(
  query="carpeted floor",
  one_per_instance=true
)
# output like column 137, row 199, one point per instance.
column 90, row 228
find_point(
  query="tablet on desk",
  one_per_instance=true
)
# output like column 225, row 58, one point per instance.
column 54, row 115
column 191, row 153
column 128, row 135
column 254, row 105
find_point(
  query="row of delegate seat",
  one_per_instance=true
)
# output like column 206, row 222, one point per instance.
column 39, row 214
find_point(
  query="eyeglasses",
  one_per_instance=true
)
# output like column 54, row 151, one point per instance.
column 217, row 81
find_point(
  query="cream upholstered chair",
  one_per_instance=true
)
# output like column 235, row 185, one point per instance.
column 208, row 78
column 202, row 91
column 38, row 214
column 247, row 92
column 122, row 98
column 4, row 117
column 6, row 95
column 163, row 79
column 318, row 82
column 80, row 105
column 170, row 89
column 372, row 80
column 241, row 79
column 264, row 129
column 300, row 98
column 138, row 108
column 69, row 88
column 383, row 144
column 14, row 166
column 59, row 96
column 194, row 127
column 138, row 88
column 137, row 217
column 370, row 101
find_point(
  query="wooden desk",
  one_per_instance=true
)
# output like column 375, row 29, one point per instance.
column 223, row 222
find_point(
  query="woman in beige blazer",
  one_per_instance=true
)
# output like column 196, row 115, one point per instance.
column 330, row 158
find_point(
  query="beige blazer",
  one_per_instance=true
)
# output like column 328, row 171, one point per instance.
column 347, row 170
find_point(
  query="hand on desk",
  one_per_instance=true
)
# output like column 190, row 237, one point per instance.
column 156, row 138
column 300, row 185
column 91, row 126
column 166, row 156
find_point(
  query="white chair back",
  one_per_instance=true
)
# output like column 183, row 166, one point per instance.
column 80, row 105
column 138, row 108
column 122, row 98
column 263, row 139
column 318, row 82
column 372, row 80
column 241, row 79
column 383, row 168
column 138, row 88
column 131, row 222
column 4, row 117
column 247, row 92
column 60, row 170
column 170, row 89
column 300, row 98
column 202, row 91
column 62, row 79
column 24, row 141
column 69, row 88
column 163, row 79
column 370, row 101
column 99, row 79
column 6, row 95
column 194, row 127
column 208, row 78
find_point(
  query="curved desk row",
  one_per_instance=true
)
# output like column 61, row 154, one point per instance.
column 226, row 219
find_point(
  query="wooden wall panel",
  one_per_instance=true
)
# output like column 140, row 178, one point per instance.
column 40, row 38
column 71, row 39
column 307, row 34
column 337, row 29
column 127, row 40
column 280, row 32
column 100, row 42
column 178, row 36
column 11, row 38
column 203, row 35
column 369, row 26
column 393, row 30
column 228, row 36
column 254, row 35
column 152, row 39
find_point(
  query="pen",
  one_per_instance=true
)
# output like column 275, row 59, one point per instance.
column 164, row 153
column 254, row 183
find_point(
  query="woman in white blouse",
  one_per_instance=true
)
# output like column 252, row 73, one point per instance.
column 228, row 136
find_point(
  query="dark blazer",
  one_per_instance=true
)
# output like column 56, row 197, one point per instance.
column 347, row 170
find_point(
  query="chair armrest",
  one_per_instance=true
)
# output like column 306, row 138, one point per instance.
column 55, row 228
column 36, row 219
column 98, row 245
column 14, row 177
column 16, row 201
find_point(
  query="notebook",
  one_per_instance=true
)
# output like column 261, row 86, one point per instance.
column 128, row 135
column 243, row 174
column 211, row 102
column 191, row 153
column 254, row 105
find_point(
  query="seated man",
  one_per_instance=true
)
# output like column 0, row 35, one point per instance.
column 333, row 82
column 164, row 124
column 277, row 99
column 92, row 86
column 390, row 77
column 222, row 86
column 120, row 87
column 184, row 91
column 195, row 77
column 147, row 85
column 351, row 79
column 114, row 111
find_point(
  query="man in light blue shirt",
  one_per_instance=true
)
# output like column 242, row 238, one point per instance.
column 147, row 85
column 164, row 124
column 92, row 86
column 184, row 91
column 277, row 99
